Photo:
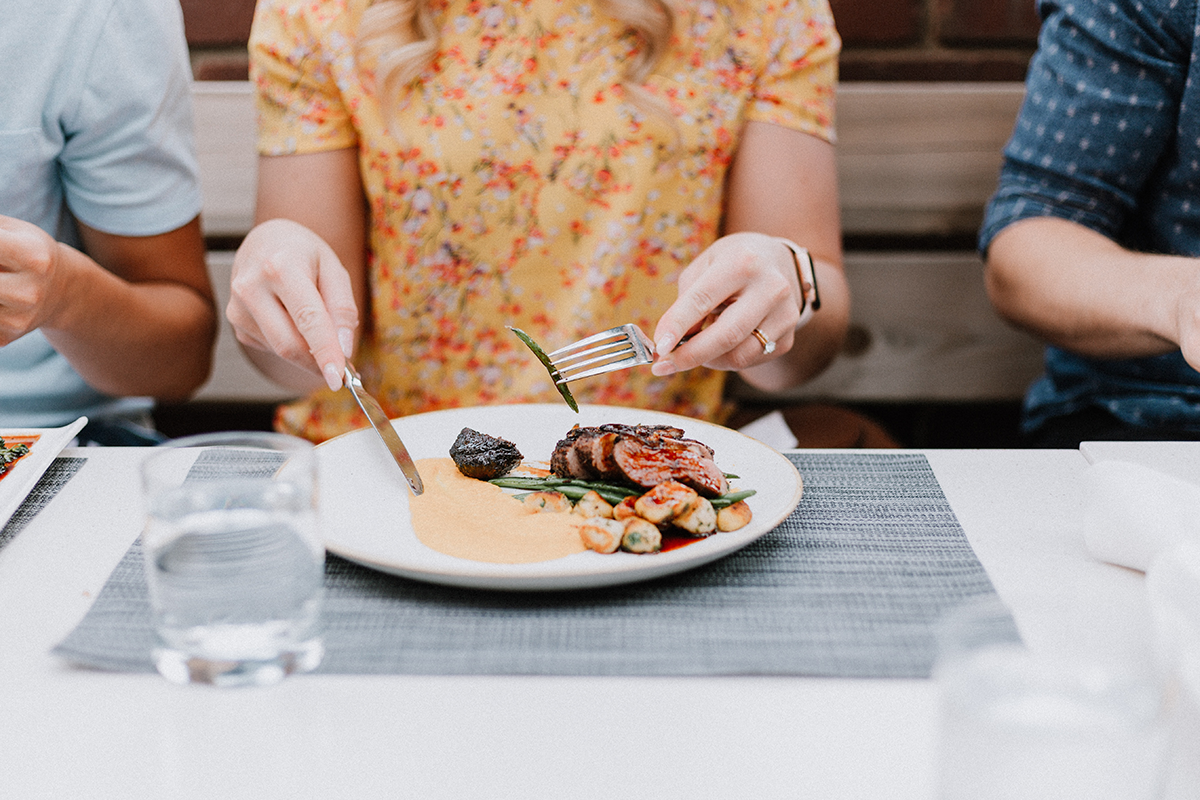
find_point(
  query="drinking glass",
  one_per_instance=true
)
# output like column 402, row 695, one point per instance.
column 1015, row 725
column 233, row 557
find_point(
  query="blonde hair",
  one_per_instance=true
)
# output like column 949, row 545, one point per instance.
column 399, row 39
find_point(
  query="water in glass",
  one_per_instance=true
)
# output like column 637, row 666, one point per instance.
column 234, row 569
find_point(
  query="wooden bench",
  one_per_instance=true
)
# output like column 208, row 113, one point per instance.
column 916, row 163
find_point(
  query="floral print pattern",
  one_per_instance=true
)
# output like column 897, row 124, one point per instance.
column 528, row 188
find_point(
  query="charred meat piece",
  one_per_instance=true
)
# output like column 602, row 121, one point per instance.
column 566, row 461
column 478, row 455
column 643, row 455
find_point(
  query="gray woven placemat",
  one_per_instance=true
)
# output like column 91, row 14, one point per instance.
column 849, row 585
column 61, row 470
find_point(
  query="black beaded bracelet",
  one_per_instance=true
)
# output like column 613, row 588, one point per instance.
column 807, row 276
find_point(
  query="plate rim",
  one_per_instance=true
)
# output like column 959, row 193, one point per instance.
column 487, row 575
column 51, row 442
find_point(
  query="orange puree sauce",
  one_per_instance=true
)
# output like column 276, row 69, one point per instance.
column 470, row 518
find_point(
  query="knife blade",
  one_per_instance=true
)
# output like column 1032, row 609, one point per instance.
column 383, row 426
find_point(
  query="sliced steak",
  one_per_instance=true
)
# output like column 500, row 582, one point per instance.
column 564, row 461
column 643, row 455
column 648, row 461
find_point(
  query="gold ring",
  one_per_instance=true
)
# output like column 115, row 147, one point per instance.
column 767, row 345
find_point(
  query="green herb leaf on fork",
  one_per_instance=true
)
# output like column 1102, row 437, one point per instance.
column 554, row 373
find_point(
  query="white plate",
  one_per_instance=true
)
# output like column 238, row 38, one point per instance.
column 364, row 499
column 22, row 476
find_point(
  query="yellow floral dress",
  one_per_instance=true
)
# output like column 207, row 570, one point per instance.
column 527, row 188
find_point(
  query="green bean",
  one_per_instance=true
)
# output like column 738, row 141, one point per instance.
column 549, row 365
column 576, row 488
column 522, row 483
column 732, row 497
column 612, row 488
column 573, row 493
column 571, row 487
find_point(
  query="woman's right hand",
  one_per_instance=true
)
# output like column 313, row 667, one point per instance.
column 292, row 299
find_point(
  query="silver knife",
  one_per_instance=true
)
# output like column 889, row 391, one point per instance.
column 383, row 426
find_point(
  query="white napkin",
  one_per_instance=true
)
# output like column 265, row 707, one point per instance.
column 1140, row 517
column 1173, row 584
column 1133, row 513
column 772, row 430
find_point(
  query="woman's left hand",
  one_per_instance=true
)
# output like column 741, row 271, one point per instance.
column 744, row 282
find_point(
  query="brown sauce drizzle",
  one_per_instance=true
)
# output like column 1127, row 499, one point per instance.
column 674, row 541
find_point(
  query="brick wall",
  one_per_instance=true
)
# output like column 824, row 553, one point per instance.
column 884, row 40
column 217, row 31
column 935, row 40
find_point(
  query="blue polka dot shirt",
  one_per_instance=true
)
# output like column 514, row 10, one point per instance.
column 1109, row 137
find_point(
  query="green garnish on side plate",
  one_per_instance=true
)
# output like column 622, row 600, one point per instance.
column 9, row 455
column 554, row 374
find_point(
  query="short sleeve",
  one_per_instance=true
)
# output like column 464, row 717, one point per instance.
column 1101, row 106
column 128, row 162
column 796, row 87
column 293, row 50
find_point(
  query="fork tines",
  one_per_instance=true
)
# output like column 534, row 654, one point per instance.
column 613, row 349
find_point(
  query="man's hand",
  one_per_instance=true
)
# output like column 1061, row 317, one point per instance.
column 31, row 278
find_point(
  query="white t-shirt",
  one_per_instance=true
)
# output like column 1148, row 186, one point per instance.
column 95, row 125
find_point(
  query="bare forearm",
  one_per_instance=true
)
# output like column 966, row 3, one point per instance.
column 785, row 184
column 146, row 338
column 1080, row 291
column 299, row 277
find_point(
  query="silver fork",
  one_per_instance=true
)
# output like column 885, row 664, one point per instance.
column 616, row 348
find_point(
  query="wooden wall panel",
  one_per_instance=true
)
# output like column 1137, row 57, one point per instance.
column 921, row 159
column 225, row 144
column 924, row 330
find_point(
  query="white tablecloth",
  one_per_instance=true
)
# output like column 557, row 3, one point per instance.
column 70, row 733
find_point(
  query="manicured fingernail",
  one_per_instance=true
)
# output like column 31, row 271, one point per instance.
column 346, row 340
column 664, row 345
column 332, row 378
column 663, row 368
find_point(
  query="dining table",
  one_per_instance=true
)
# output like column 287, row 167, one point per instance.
column 68, row 731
